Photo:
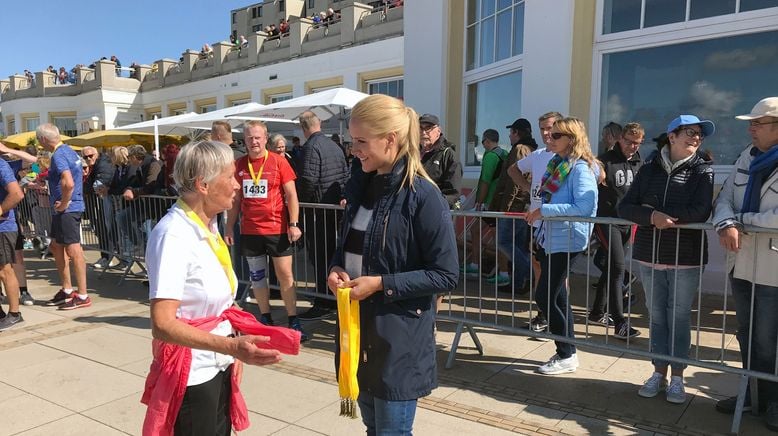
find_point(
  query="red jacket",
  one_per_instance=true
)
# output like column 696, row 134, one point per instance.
column 169, row 372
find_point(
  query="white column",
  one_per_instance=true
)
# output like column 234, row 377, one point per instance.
column 425, row 26
column 548, row 38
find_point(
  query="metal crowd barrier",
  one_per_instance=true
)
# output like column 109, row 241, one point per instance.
column 120, row 228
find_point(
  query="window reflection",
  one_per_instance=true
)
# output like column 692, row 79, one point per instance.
column 491, row 104
column 710, row 8
column 660, row 12
column 752, row 5
column 714, row 79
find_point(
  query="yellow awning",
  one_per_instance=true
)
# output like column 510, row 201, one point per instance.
column 20, row 140
column 115, row 138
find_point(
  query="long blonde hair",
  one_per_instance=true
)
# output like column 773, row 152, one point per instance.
column 380, row 115
column 579, row 141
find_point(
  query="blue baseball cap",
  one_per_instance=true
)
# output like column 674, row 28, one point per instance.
column 707, row 126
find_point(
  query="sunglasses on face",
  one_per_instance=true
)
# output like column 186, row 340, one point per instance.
column 89, row 156
column 558, row 135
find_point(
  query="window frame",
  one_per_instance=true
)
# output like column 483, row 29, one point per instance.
column 703, row 29
column 387, row 79
column 477, row 50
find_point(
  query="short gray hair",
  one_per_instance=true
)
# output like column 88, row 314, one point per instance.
column 275, row 138
column 204, row 159
column 47, row 131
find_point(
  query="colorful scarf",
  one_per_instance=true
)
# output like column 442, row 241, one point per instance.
column 216, row 243
column 556, row 172
column 348, row 320
column 761, row 167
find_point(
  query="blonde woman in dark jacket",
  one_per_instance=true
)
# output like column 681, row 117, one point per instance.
column 396, row 252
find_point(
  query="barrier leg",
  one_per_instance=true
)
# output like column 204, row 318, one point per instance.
column 452, row 355
column 754, row 396
column 474, row 337
column 741, row 400
column 454, row 345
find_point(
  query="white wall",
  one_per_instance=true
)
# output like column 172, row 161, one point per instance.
column 426, row 28
column 548, row 36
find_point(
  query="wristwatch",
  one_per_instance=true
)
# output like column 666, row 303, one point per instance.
column 293, row 224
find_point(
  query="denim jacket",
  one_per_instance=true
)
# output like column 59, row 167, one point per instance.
column 410, row 243
column 576, row 197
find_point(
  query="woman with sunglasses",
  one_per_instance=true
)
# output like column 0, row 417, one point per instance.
column 569, row 189
column 673, row 187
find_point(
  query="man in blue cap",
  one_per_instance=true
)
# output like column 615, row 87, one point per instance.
column 750, row 197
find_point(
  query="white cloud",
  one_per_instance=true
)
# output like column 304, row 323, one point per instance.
column 739, row 59
column 711, row 102
column 614, row 110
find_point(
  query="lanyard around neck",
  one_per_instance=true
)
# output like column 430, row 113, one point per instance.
column 258, row 175
column 216, row 243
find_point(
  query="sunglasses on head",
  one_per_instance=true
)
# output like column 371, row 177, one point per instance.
column 558, row 135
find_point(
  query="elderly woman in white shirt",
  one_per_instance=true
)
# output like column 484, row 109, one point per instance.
column 198, row 282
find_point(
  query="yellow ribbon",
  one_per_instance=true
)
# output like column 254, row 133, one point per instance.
column 348, row 319
column 255, row 178
column 216, row 243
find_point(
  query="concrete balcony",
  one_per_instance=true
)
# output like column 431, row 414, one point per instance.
column 103, row 76
column 357, row 24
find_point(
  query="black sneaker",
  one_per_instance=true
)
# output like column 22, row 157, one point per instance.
column 604, row 320
column 727, row 405
column 294, row 324
column 266, row 319
column 629, row 300
column 10, row 321
column 538, row 324
column 314, row 313
column 102, row 263
column 60, row 298
column 624, row 331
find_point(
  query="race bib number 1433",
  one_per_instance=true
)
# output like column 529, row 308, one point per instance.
column 250, row 190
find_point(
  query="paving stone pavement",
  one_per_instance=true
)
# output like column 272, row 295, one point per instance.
column 82, row 372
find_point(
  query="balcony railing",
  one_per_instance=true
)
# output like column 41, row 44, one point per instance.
column 358, row 24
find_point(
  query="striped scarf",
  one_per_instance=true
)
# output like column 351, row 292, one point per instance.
column 556, row 172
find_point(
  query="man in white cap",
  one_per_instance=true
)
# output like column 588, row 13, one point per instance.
column 750, row 197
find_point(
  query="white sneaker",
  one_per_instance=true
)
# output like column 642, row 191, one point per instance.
column 675, row 392
column 653, row 386
column 557, row 365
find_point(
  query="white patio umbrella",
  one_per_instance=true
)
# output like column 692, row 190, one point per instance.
column 166, row 126
column 204, row 121
column 325, row 104
column 163, row 126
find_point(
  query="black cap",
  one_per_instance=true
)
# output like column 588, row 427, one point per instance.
column 429, row 119
column 521, row 124
column 491, row 135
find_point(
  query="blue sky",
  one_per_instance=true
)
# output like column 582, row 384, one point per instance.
column 66, row 33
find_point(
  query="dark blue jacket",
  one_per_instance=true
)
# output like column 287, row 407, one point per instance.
column 410, row 243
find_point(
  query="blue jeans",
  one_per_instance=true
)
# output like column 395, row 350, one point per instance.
column 512, row 242
column 670, row 308
column 386, row 418
column 763, row 335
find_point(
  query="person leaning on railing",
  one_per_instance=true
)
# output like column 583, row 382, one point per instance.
column 568, row 188
column 674, row 186
column 750, row 197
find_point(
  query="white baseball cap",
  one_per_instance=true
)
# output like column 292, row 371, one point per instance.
column 767, row 107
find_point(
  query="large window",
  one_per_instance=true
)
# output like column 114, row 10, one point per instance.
column 491, row 104
column 206, row 108
column 393, row 87
column 714, row 79
column 495, row 31
column 30, row 124
column 280, row 97
column 621, row 15
column 66, row 125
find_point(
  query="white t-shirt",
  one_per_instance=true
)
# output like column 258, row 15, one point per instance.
column 182, row 266
column 535, row 163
